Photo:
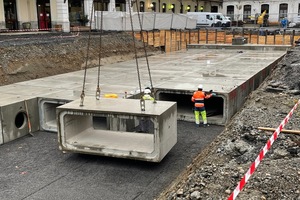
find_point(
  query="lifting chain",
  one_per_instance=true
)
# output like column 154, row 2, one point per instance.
column 142, row 101
column 98, row 90
column 145, row 51
column 87, row 57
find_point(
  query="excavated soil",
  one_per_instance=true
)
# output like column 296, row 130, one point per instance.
column 217, row 170
column 26, row 57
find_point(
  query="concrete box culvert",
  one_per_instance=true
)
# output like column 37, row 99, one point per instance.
column 215, row 106
column 47, row 112
column 102, row 128
column 14, row 117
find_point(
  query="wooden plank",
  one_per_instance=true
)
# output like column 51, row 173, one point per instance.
column 162, row 38
column 168, row 41
column 282, row 131
column 177, row 40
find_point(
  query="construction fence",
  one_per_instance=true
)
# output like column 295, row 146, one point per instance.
column 174, row 40
column 124, row 21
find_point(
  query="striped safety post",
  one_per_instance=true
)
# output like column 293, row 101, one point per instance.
column 261, row 155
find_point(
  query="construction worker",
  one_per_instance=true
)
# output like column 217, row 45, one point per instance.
column 144, row 122
column 198, row 98
column 147, row 94
column 284, row 22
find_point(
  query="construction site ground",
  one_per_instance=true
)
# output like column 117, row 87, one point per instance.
column 196, row 170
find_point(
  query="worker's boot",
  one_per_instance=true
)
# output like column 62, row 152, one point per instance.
column 205, row 125
column 200, row 124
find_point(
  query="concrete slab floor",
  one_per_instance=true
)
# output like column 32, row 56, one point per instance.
column 223, row 70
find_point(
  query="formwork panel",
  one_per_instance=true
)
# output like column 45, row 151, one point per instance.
column 111, row 127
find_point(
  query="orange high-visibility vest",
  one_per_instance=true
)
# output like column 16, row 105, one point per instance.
column 198, row 97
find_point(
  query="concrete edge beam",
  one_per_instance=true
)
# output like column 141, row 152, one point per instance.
column 241, row 47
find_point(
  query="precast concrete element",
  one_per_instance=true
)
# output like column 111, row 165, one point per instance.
column 60, row 89
column 19, row 116
column 215, row 106
column 231, row 74
column 67, row 88
column 28, row 90
column 47, row 108
column 118, row 128
column 232, row 71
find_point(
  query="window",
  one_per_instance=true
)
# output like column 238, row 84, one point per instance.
column 10, row 13
column 172, row 8
column 164, row 7
column 214, row 8
column 121, row 5
column 201, row 8
column 188, row 8
column 142, row 6
column 100, row 5
column 181, row 8
column 230, row 12
column 153, row 6
column 283, row 9
column 265, row 7
column 247, row 12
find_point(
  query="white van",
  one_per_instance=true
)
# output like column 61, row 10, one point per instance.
column 209, row 19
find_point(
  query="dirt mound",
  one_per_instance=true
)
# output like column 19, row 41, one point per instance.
column 26, row 57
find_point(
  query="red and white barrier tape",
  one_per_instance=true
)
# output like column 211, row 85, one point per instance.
column 29, row 30
column 34, row 30
column 261, row 155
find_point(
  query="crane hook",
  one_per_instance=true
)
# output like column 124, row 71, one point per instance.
column 82, row 98
column 98, row 93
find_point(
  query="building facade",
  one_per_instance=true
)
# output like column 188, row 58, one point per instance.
column 276, row 10
column 46, row 14
column 38, row 14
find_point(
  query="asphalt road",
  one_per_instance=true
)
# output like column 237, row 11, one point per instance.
column 33, row 168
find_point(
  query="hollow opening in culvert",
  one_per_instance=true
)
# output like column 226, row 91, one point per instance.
column 20, row 120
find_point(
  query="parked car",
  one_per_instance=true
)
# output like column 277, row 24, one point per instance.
column 209, row 19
